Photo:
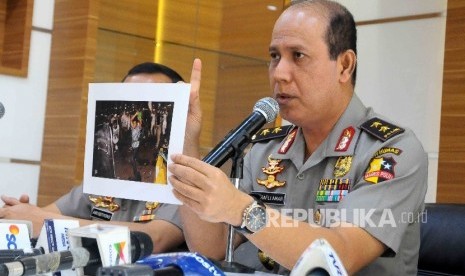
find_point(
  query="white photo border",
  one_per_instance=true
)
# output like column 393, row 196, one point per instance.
column 153, row 92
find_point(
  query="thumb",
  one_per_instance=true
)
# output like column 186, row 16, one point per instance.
column 24, row 199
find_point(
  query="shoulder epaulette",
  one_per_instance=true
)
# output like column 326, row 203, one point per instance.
column 381, row 129
column 267, row 134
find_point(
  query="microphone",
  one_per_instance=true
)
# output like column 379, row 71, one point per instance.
column 181, row 263
column 264, row 111
column 9, row 255
column 319, row 259
column 79, row 257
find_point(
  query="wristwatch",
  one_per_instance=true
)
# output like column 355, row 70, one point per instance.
column 254, row 218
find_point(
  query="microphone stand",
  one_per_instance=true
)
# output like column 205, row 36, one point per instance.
column 228, row 265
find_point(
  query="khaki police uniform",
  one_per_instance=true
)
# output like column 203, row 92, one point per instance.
column 368, row 172
column 80, row 205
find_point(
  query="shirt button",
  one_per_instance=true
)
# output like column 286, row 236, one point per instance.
column 300, row 176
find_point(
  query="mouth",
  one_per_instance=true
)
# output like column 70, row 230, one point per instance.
column 283, row 98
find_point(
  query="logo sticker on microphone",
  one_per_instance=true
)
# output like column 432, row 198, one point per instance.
column 119, row 248
column 11, row 238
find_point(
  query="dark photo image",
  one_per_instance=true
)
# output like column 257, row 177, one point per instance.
column 131, row 140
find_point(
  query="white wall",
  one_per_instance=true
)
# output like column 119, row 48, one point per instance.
column 24, row 100
column 400, row 68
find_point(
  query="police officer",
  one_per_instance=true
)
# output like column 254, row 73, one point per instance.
column 341, row 172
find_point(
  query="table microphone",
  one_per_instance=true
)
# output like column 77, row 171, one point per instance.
column 141, row 247
column 319, row 259
column 9, row 255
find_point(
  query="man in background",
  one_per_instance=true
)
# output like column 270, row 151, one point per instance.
column 160, row 221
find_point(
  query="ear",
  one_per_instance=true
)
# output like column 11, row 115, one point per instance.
column 346, row 65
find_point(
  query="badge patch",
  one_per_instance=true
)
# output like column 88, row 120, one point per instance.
column 381, row 129
column 147, row 214
column 271, row 198
column 105, row 202
column 272, row 171
column 101, row 214
column 380, row 169
column 288, row 142
column 345, row 139
column 387, row 150
column 342, row 166
column 332, row 189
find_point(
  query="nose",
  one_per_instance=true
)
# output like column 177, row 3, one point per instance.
column 280, row 71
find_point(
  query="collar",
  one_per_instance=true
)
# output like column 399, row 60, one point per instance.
column 341, row 141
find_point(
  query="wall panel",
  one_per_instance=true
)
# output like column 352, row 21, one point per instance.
column 452, row 141
column 71, row 69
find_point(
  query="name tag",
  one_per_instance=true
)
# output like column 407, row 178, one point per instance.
column 100, row 214
column 271, row 198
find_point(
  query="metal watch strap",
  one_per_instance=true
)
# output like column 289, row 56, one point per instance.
column 243, row 228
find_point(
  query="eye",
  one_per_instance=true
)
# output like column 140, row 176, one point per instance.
column 274, row 56
column 298, row 55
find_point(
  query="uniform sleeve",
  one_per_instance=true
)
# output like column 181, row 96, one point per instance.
column 388, row 197
column 170, row 213
column 75, row 204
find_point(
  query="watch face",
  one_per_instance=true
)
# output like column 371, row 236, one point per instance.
column 256, row 218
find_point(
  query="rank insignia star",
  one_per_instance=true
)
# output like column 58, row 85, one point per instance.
column 381, row 129
column 272, row 171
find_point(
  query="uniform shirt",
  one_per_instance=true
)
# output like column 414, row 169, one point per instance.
column 77, row 204
column 375, row 178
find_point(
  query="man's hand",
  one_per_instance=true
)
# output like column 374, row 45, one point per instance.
column 207, row 190
column 20, row 209
column 10, row 201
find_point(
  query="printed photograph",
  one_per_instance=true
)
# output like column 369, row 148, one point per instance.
column 132, row 140
column 132, row 129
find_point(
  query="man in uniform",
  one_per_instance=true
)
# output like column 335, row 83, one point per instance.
column 341, row 172
column 160, row 221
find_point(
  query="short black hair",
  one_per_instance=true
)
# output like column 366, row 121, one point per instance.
column 154, row 68
column 341, row 33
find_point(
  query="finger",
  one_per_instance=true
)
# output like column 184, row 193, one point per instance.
column 196, row 75
column 24, row 199
column 9, row 200
column 192, row 204
column 190, row 162
column 187, row 189
column 194, row 98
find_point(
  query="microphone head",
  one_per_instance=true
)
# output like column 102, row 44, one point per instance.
column 141, row 245
column 268, row 107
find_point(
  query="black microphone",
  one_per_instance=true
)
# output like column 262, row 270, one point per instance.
column 80, row 257
column 9, row 255
column 264, row 111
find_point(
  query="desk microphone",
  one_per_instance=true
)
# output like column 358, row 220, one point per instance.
column 141, row 246
column 264, row 111
column 319, row 259
column 9, row 255
column 180, row 263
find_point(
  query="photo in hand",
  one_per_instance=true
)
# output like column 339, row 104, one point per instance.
column 131, row 130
